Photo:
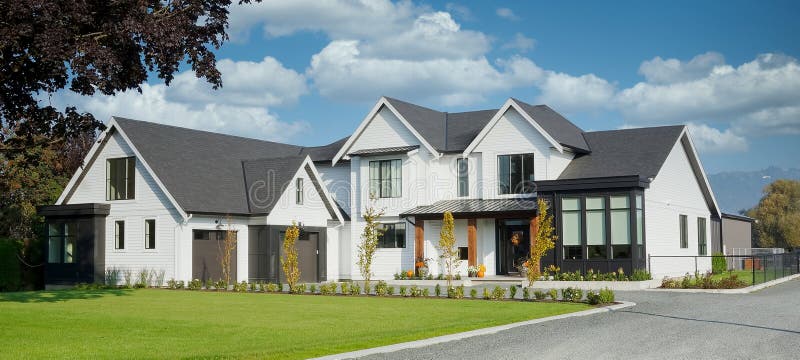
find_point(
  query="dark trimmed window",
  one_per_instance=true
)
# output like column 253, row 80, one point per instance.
column 119, row 234
column 463, row 177
column 298, row 196
column 621, row 226
column 217, row 235
column 393, row 236
column 61, row 243
column 596, row 227
column 120, row 184
column 701, row 236
column 515, row 174
column 386, row 178
column 150, row 234
column 571, row 228
column 684, row 231
column 463, row 253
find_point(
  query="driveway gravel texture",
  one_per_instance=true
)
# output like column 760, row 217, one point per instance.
column 663, row 325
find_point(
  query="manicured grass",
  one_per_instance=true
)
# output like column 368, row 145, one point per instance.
column 762, row 276
column 186, row 324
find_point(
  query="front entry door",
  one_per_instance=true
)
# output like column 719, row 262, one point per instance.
column 513, row 245
column 307, row 255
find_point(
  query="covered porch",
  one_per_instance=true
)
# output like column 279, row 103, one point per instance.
column 497, row 233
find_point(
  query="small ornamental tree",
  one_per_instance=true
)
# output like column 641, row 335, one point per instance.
column 447, row 247
column 369, row 241
column 289, row 263
column 226, row 251
column 544, row 240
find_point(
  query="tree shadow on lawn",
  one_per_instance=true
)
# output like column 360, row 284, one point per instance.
column 54, row 296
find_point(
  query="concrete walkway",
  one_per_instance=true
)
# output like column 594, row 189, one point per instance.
column 663, row 325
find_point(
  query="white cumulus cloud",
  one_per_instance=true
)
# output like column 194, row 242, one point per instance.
column 506, row 13
column 712, row 140
column 520, row 43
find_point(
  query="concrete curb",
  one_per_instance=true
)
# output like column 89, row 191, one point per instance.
column 745, row 290
column 468, row 334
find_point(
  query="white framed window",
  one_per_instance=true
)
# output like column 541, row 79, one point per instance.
column 386, row 178
column 463, row 177
column 298, row 196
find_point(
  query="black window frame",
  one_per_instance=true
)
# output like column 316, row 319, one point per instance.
column 387, row 184
column 150, row 234
column 390, row 238
column 574, row 252
column 119, row 235
column 298, row 197
column 702, row 246
column 128, row 164
column 462, row 169
column 219, row 235
column 519, row 181
column 61, row 237
column 683, row 229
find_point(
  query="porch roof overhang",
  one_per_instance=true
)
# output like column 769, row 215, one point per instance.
column 88, row 209
column 474, row 208
column 596, row 183
column 384, row 151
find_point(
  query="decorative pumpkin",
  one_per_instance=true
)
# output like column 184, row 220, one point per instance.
column 480, row 273
column 410, row 273
column 482, row 268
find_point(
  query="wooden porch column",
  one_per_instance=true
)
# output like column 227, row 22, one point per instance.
column 472, row 242
column 419, row 240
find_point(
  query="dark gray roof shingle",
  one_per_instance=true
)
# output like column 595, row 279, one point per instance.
column 624, row 152
column 203, row 170
column 561, row 129
column 474, row 206
column 266, row 179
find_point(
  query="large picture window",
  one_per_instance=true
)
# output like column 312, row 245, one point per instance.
column 62, row 243
column 386, row 178
column 571, row 227
column 515, row 174
column 596, row 227
column 463, row 177
column 701, row 236
column 120, row 178
column 393, row 236
column 620, row 227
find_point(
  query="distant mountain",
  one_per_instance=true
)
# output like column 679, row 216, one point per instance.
column 738, row 190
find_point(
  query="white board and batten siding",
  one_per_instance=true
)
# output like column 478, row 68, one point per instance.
column 149, row 203
column 513, row 134
column 672, row 193
column 485, row 245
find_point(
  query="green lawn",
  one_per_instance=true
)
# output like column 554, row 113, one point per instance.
column 762, row 276
column 185, row 324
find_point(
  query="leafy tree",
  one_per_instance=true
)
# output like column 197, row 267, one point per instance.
column 85, row 47
column 447, row 247
column 544, row 240
column 778, row 215
column 289, row 261
column 369, row 241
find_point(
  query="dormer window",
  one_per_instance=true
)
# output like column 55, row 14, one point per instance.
column 120, row 184
column 386, row 178
column 515, row 174
column 463, row 177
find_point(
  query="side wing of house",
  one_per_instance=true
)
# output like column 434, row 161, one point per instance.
column 679, row 214
column 129, row 219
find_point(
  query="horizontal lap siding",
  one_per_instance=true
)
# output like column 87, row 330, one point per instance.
column 675, row 191
column 149, row 203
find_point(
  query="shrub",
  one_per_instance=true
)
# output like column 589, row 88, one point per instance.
column 195, row 284
column 473, row 293
column 731, row 281
column 572, row 294
column 327, row 288
column 312, row 288
column 272, row 287
column 254, row 286
column 459, row 292
column 355, row 289
column 10, row 271
column 526, row 294
column 686, row 282
column 498, row 293
column 298, row 289
column 381, row 288
column 209, row 284
column 179, row 285
column 128, row 274
column 345, row 288
column 426, row 292
column 438, row 290
column 415, row 291
column 592, row 297
column 606, row 296
column 240, row 287
column 512, row 291
column 485, row 294
column 718, row 263
column 112, row 277
column 390, row 290
column 641, row 275
column 171, row 284
column 553, row 294
column 403, row 290
column 221, row 285
column 539, row 295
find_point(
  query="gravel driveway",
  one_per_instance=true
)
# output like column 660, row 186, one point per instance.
column 663, row 325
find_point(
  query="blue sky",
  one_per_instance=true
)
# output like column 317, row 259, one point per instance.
column 307, row 72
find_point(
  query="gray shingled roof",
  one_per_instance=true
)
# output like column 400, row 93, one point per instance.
column 561, row 129
column 624, row 152
column 474, row 206
column 203, row 170
column 266, row 179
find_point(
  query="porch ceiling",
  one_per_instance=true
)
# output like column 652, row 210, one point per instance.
column 475, row 208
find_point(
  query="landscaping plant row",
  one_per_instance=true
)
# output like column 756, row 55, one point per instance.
column 706, row 281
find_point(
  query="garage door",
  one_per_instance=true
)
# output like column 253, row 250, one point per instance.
column 206, row 250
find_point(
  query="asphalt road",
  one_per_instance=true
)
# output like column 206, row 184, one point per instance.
column 663, row 325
